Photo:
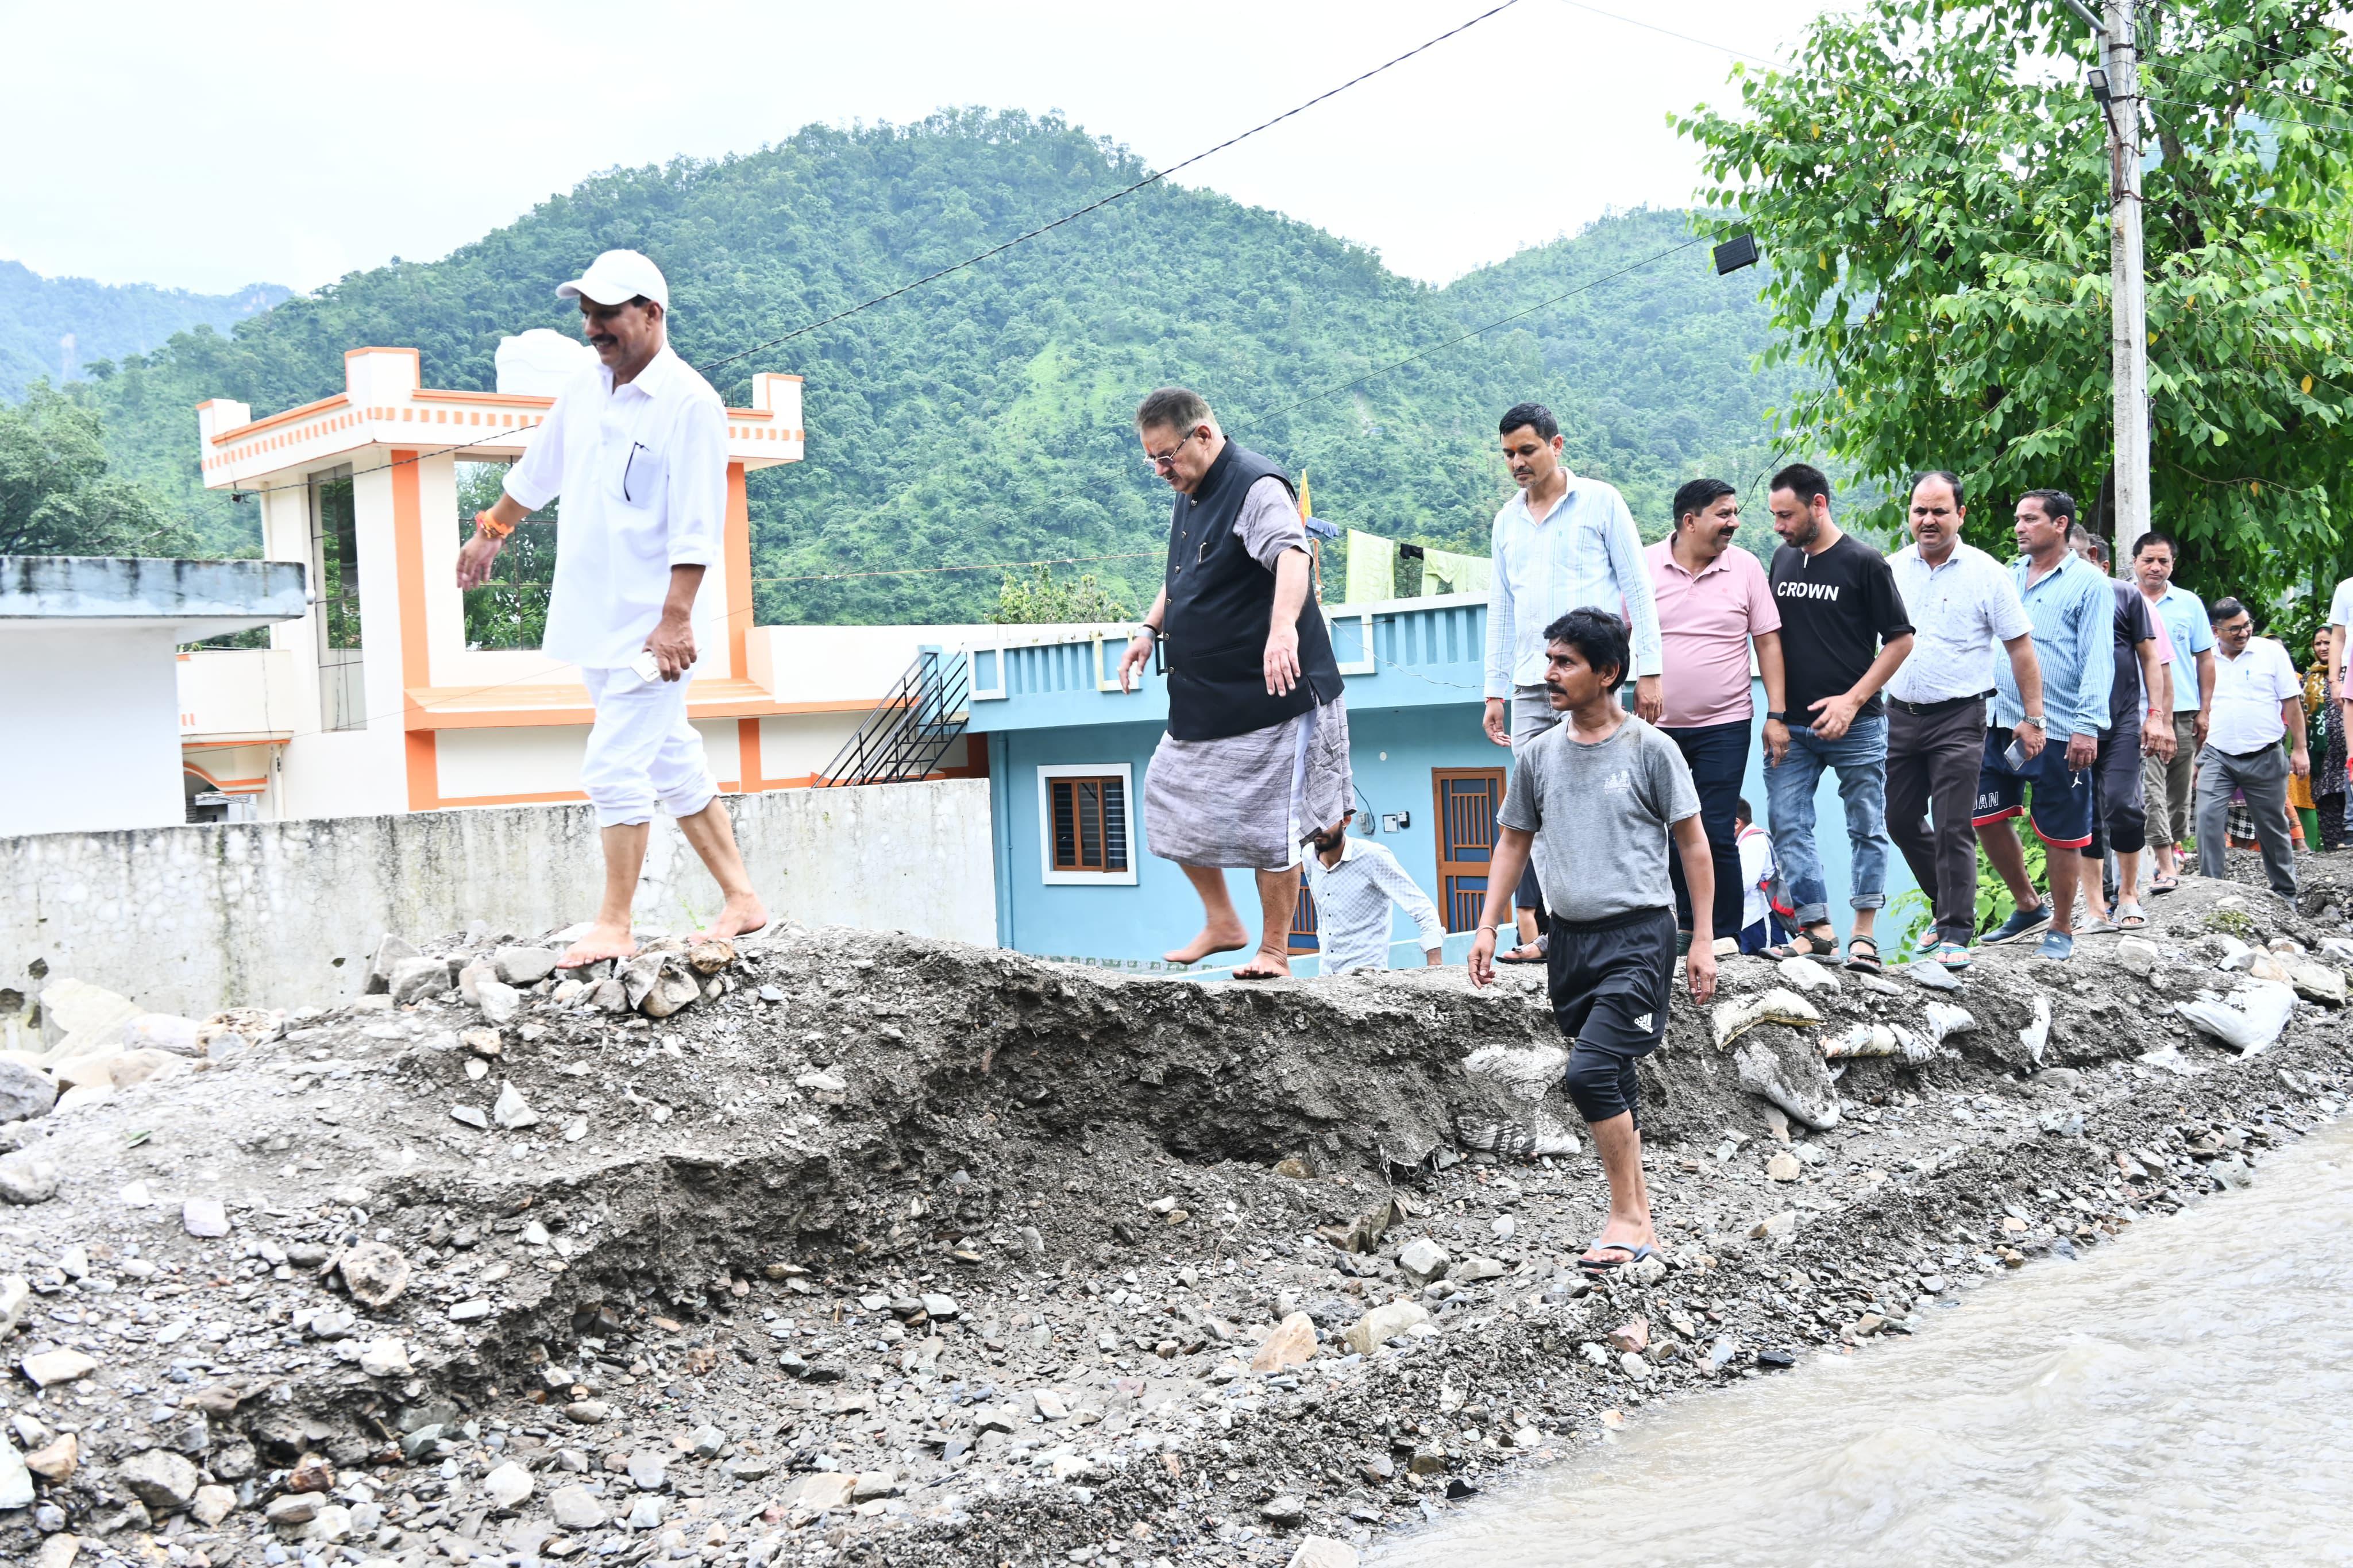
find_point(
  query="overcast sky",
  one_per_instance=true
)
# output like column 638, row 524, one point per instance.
column 205, row 147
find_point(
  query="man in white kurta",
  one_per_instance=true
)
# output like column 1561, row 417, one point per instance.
column 638, row 449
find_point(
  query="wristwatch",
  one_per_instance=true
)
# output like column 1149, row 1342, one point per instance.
column 2035, row 719
column 1775, row 716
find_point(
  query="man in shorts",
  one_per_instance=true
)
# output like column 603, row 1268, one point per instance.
column 1607, row 791
column 2072, row 613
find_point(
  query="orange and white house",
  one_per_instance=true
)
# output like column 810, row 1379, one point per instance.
column 375, row 702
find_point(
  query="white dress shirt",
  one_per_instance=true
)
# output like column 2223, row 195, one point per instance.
column 642, row 469
column 2248, row 692
column 1352, row 907
column 1585, row 551
column 1961, row 612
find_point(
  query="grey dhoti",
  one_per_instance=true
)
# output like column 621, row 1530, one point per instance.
column 1247, row 800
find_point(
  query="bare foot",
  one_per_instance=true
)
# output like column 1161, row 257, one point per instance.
column 1265, row 965
column 603, row 942
column 1213, row 939
column 740, row 918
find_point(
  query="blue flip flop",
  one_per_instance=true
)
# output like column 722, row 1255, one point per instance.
column 1636, row 1250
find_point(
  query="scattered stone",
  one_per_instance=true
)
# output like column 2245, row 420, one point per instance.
column 818, row 1491
column 472, row 1115
column 513, row 1111
column 1292, row 1343
column 2318, row 983
column 587, row 1412
column 15, row 1480
column 645, row 1513
column 1322, row 1551
column 1778, row 1067
column 1471, row 1270
column 523, row 966
column 1732, row 1019
column 384, row 1358
column 59, row 1550
column 56, row 1460
column 27, row 1178
column 1633, row 1334
column 46, row 1369
column 414, row 979
column 872, row 1484
column 293, row 1509
column 2136, row 955
column 1283, row 1511
column 1927, row 972
column 25, row 1092
column 1423, row 1259
column 165, row 1482
column 1775, row 1228
column 1807, row 975
column 648, row 1472
column 375, row 1274
column 312, row 1473
column 576, row 1509
column 507, row 1486
column 472, row 1311
column 211, row 1505
column 500, row 1003
column 710, row 956
column 1382, row 1324
column 1783, row 1167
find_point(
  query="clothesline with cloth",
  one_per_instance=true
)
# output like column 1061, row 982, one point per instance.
column 1372, row 568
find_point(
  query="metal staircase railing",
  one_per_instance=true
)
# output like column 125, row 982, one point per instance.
column 911, row 729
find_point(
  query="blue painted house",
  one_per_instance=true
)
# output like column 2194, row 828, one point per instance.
column 1066, row 752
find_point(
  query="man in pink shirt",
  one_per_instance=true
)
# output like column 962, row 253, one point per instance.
column 1713, row 602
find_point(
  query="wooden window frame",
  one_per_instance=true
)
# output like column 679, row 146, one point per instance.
column 1121, row 772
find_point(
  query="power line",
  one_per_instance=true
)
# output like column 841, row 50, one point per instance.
column 975, row 261
column 1096, row 205
column 1670, row 32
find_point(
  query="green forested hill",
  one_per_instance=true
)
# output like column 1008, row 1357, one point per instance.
column 985, row 418
column 55, row 326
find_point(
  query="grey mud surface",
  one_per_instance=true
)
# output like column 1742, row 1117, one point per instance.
column 999, row 1238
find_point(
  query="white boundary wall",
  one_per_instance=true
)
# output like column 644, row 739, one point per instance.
column 189, row 920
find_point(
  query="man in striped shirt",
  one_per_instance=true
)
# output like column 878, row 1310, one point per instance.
column 1355, row 881
column 1563, row 543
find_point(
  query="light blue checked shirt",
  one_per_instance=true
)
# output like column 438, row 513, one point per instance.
column 2074, row 612
column 1585, row 551
column 1352, row 907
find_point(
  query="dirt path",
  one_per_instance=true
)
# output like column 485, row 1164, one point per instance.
column 878, row 1251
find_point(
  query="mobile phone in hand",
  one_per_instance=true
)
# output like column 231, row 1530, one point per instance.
column 2015, row 756
column 648, row 667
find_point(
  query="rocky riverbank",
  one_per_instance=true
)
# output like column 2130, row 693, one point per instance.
column 840, row 1248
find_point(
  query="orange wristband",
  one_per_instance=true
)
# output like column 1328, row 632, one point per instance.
column 491, row 526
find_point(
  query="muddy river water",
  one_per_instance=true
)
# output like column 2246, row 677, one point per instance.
column 2184, row 1396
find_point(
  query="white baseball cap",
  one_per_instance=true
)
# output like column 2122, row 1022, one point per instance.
column 616, row 278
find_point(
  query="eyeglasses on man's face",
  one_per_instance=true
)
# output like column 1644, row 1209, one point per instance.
column 1161, row 462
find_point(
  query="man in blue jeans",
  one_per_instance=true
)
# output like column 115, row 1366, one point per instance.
column 1843, row 633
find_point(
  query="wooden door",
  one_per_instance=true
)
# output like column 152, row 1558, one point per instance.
column 1467, row 801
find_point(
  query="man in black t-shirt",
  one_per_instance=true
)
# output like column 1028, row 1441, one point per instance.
column 1843, row 633
column 2119, row 823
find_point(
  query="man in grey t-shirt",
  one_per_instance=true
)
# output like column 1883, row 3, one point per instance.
column 1609, row 792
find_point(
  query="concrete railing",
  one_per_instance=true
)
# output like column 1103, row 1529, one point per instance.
column 189, row 920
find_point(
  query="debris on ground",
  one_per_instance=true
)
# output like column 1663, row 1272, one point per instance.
column 844, row 1249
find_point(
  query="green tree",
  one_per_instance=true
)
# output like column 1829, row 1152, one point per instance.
column 57, row 497
column 509, row 611
column 1929, row 181
column 1043, row 599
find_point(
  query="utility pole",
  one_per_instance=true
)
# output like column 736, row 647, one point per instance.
column 2116, row 88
